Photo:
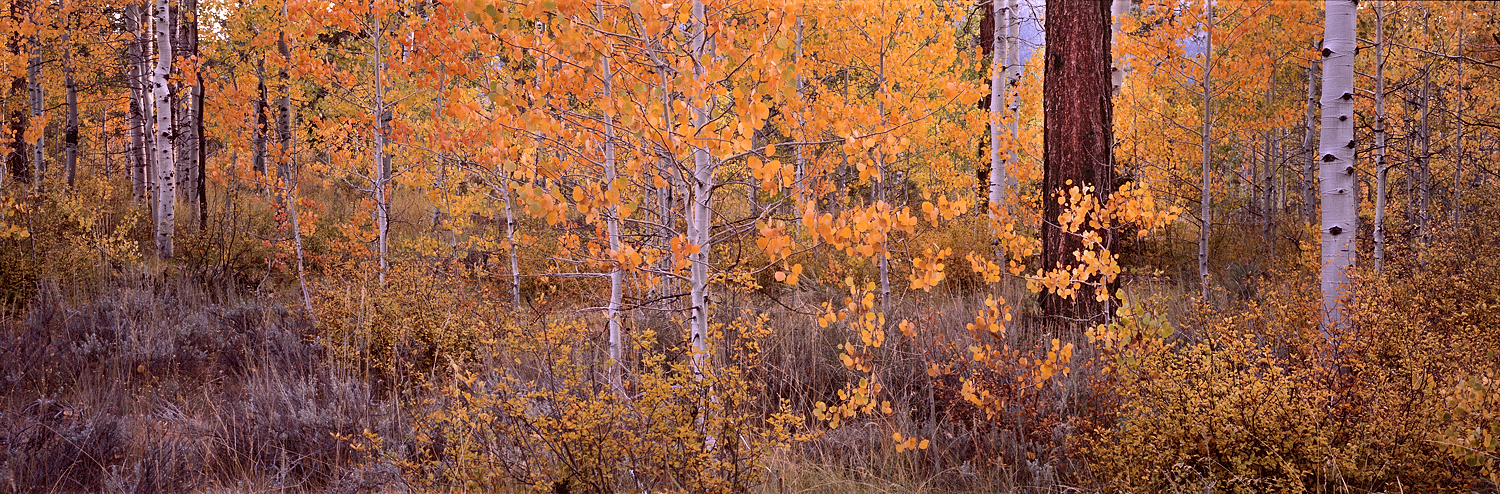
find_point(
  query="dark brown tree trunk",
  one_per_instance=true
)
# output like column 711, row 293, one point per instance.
column 1078, row 133
column 15, row 157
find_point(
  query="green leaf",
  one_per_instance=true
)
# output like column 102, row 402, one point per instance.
column 782, row 43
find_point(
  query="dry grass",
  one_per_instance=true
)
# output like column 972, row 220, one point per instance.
column 147, row 386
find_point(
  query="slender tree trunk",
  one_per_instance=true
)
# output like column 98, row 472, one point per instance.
column 136, row 154
column 1458, row 145
column 1205, row 212
column 258, row 135
column 1336, row 145
column 1309, row 152
column 34, row 84
column 1078, row 136
column 147, row 101
column 612, row 225
column 1382, row 171
column 70, row 132
column 382, row 166
column 1118, row 9
column 510, row 241
column 285, row 166
column 801, row 165
column 1013, row 79
column 1424, row 163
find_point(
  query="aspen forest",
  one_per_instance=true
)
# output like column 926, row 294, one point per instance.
column 764, row 246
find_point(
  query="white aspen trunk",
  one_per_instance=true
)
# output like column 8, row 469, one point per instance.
column 612, row 226
column 1118, row 10
column 285, row 167
column 1012, row 79
column 166, row 170
column 1458, row 147
column 145, row 36
column 1336, row 172
column 1000, row 44
column 666, row 197
column 699, row 222
column 1267, row 192
column 510, row 240
column 70, row 132
column 1424, row 166
column 34, row 87
column 382, row 171
column 1205, row 213
column 1310, row 166
column 801, row 165
column 1381, row 169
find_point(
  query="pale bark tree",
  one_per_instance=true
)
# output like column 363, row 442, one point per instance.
column 1000, row 47
column 699, row 222
column 1382, row 169
column 166, row 169
column 70, row 131
column 1336, row 171
column 1205, row 211
column 137, row 153
column 34, row 90
column 1458, row 145
column 1309, row 152
column 1424, row 162
column 381, row 162
column 1118, row 9
column 612, row 225
column 286, row 167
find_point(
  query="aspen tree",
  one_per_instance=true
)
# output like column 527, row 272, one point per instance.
column 34, row 91
column 611, row 218
column 166, row 169
column 136, row 123
column 699, row 205
column 1205, row 211
column 381, row 163
column 1382, row 170
column 70, row 132
column 1118, row 9
column 999, row 64
column 1336, row 171
column 1310, row 154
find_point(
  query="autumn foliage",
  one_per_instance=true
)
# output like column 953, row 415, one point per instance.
column 756, row 246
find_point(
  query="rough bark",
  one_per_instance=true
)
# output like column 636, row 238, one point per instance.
column 15, row 157
column 1078, row 136
column 1336, row 171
